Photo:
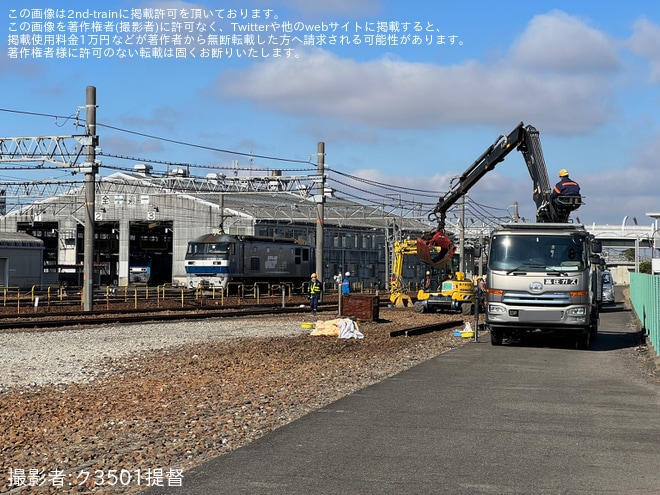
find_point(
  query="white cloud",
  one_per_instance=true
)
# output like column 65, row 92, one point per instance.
column 629, row 189
column 165, row 117
column 645, row 41
column 559, row 43
column 117, row 144
column 391, row 93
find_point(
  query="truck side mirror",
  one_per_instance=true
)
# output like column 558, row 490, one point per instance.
column 596, row 246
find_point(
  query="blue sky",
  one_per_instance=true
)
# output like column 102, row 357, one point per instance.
column 407, row 115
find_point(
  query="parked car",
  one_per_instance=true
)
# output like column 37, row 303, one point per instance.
column 608, row 287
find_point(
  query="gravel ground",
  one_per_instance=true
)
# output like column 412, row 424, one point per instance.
column 58, row 357
column 78, row 407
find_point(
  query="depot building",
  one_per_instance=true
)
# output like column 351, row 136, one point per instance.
column 142, row 225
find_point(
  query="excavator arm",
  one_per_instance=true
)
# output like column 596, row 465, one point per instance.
column 401, row 249
column 436, row 248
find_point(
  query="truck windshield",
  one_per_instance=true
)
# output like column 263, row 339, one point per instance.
column 537, row 253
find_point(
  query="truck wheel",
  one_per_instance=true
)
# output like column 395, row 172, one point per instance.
column 467, row 309
column 418, row 307
column 495, row 336
column 583, row 340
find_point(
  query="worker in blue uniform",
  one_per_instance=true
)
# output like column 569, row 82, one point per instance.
column 346, row 284
column 566, row 186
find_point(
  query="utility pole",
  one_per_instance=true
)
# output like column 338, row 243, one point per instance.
column 91, row 170
column 516, row 215
column 57, row 150
column 320, row 200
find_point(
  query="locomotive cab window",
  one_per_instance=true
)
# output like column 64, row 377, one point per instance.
column 218, row 248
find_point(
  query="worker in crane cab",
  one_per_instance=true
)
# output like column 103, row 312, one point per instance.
column 566, row 186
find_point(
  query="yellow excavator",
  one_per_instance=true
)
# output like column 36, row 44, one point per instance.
column 454, row 294
column 398, row 293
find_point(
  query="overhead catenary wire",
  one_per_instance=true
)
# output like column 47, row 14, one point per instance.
column 376, row 193
column 395, row 188
column 158, row 138
column 203, row 147
column 251, row 155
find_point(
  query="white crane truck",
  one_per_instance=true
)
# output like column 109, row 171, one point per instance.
column 542, row 276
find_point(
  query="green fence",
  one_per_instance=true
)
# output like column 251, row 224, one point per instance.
column 645, row 298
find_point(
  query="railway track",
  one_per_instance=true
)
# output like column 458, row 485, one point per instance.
column 39, row 321
column 64, row 320
column 63, row 317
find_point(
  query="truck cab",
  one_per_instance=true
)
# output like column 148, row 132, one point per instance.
column 541, row 279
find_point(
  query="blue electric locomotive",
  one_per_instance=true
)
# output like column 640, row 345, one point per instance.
column 216, row 260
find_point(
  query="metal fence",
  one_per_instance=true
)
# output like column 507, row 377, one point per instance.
column 645, row 298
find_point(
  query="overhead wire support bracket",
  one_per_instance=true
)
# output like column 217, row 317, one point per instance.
column 53, row 149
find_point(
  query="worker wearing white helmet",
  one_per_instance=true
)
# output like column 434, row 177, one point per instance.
column 346, row 284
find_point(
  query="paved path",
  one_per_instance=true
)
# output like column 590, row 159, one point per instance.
column 537, row 418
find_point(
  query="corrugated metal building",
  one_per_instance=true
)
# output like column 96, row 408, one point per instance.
column 21, row 259
column 143, row 219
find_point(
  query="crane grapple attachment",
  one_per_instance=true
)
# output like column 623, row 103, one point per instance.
column 435, row 248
